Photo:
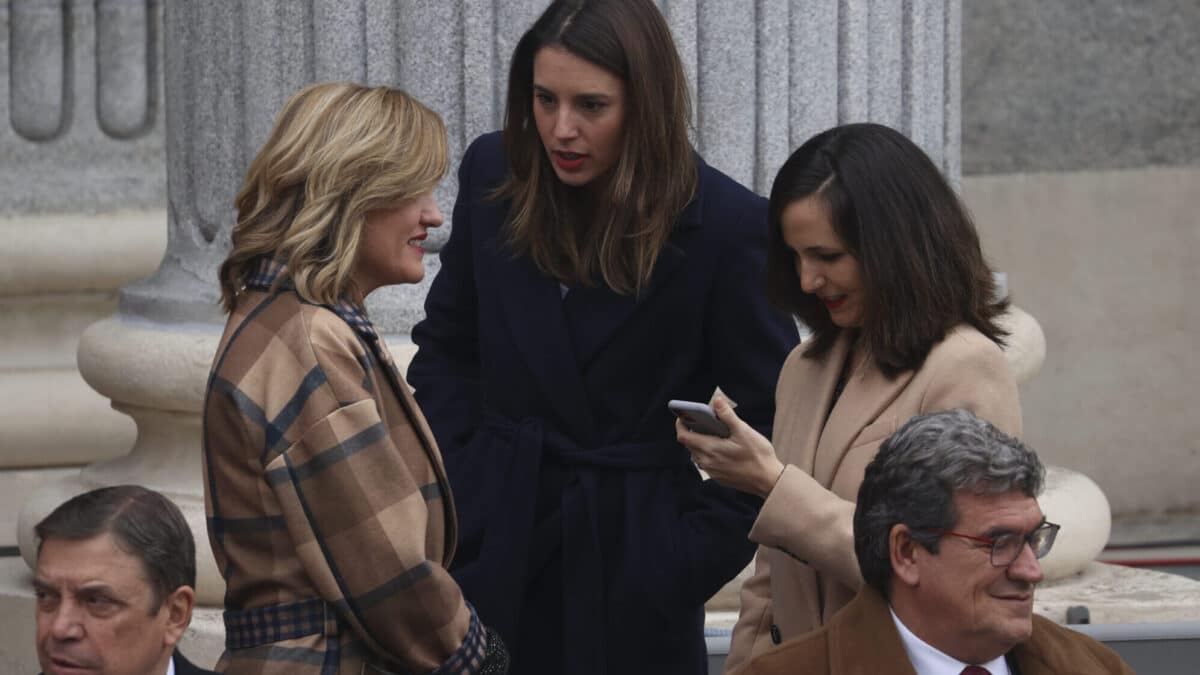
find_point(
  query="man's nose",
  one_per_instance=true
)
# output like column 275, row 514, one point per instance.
column 1026, row 567
column 67, row 623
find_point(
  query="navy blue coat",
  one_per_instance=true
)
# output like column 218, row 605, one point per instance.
column 587, row 538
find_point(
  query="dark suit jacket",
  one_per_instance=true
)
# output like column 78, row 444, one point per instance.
column 862, row 639
column 552, row 417
column 185, row 667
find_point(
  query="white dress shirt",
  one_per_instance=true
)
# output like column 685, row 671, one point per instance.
column 928, row 660
column 171, row 665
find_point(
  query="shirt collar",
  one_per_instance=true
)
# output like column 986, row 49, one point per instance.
column 269, row 272
column 928, row 660
column 171, row 665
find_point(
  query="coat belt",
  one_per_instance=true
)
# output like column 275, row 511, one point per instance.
column 583, row 575
column 274, row 623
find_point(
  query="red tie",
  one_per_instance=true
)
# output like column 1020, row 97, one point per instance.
column 975, row 670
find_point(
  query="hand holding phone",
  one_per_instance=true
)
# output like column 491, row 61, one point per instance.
column 699, row 417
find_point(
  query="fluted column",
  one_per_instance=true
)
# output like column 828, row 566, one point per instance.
column 81, row 140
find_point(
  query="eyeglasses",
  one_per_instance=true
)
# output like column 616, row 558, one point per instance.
column 1007, row 547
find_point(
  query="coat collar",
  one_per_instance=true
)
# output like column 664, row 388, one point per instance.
column 868, row 393
column 863, row 640
column 271, row 274
column 559, row 337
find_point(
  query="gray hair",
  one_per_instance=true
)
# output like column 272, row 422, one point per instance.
column 143, row 523
column 916, row 473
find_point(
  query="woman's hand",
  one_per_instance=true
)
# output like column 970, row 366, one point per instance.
column 745, row 461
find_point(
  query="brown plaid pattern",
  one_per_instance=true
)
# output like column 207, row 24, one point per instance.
column 254, row 627
column 323, row 485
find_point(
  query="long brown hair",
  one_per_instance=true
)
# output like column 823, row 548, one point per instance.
column 922, row 265
column 338, row 151
column 617, row 240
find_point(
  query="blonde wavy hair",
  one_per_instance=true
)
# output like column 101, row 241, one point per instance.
column 338, row 151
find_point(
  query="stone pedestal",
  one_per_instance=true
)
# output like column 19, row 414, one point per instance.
column 59, row 273
column 1116, row 594
column 81, row 215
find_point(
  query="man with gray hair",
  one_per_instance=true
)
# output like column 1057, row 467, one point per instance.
column 114, row 585
column 948, row 534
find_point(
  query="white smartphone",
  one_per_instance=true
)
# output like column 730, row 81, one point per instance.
column 699, row 417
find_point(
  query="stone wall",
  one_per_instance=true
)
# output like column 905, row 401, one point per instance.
column 1081, row 145
column 1061, row 86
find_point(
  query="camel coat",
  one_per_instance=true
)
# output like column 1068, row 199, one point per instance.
column 862, row 638
column 805, row 569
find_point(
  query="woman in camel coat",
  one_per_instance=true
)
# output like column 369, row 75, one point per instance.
column 872, row 250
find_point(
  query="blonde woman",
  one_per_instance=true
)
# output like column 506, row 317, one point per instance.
column 328, row 508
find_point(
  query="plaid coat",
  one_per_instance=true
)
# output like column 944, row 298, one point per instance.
column 328, row 508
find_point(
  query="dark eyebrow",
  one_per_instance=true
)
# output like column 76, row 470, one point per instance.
column 97, row 587
column 1001, row 531
column 39, row 585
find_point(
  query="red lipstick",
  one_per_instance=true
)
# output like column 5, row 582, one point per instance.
column 834, row 303
column 568, row 161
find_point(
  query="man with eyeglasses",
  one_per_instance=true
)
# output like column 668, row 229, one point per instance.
column 948, row 534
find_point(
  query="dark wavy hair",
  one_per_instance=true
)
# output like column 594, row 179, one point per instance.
column 618, row 240
column 922, row 266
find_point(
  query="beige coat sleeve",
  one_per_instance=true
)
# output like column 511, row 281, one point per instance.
column 752, row 633
column 810, row 523
column 803, row 518
column 973, row 374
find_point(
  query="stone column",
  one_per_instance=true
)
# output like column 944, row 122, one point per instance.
column 81, row 140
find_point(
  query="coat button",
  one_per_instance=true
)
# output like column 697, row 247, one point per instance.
column 776, row 636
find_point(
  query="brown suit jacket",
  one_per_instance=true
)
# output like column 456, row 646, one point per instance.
column 805, row 570
column 328, row 508
column 862, row 640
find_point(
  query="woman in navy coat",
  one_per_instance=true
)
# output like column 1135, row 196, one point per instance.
column 597, row 268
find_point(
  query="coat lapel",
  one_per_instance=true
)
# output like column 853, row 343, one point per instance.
column 533, row 306
column 424, row 436
column 811, row 419
column 867, row 394
column 593, row 314
column 864, row 640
